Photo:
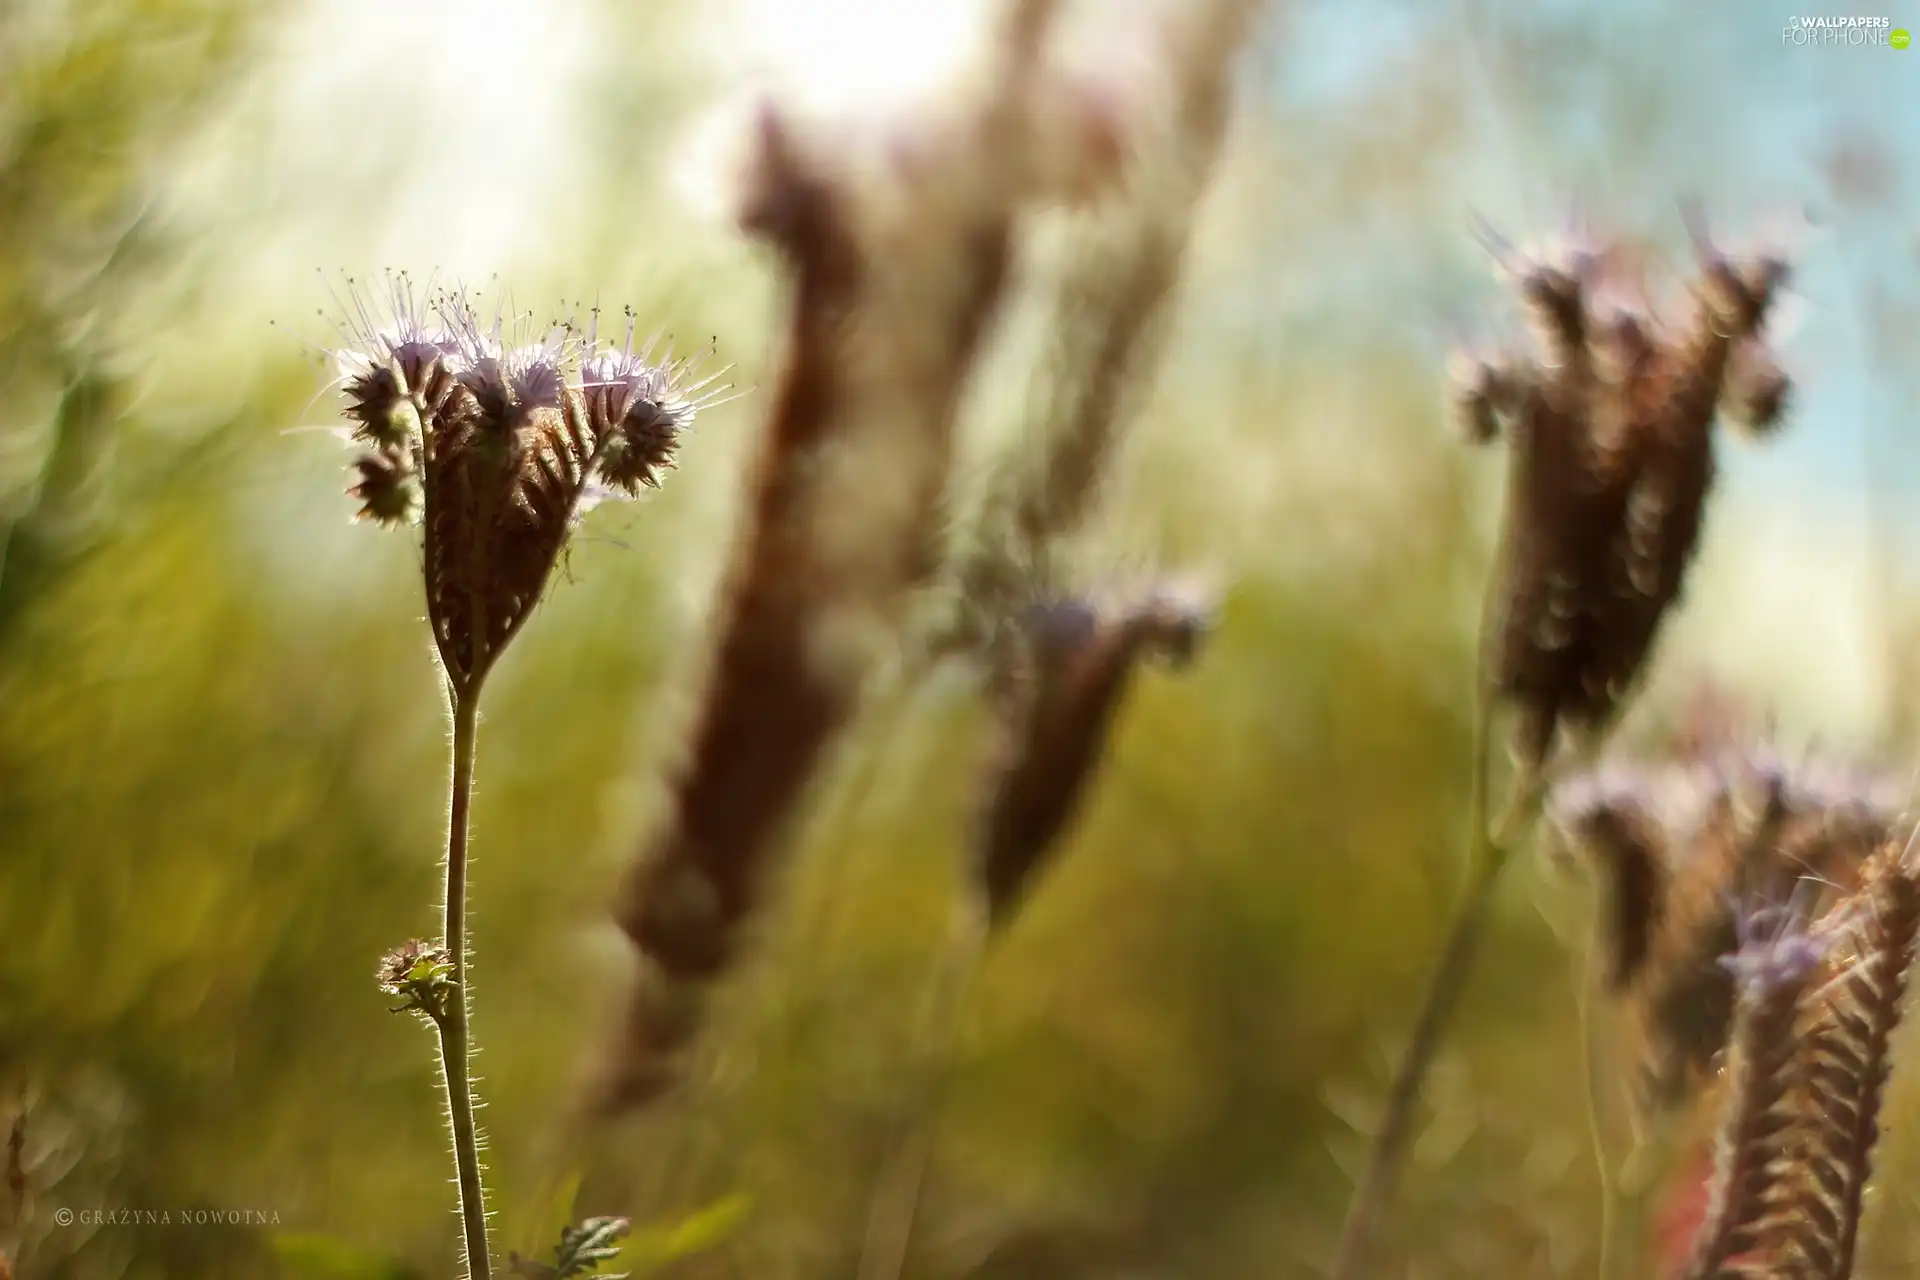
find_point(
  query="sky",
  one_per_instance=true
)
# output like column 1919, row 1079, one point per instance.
column 1757, row 122
column 1332, row 222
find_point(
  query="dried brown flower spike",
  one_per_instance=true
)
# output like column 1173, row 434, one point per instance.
column 1561, row 502
column 1055, row 722
column 1677, row 845
column 897, row 270
column 1771, row 969
column 1609, row 464
column 1610, row 428
column 1810, row 1061
column 1846, row 1031
column 1717, row 361
column 1612, row 817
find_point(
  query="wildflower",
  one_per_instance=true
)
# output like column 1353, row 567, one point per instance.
column 896, row 275
column 1055, row 723
column 388, row 488
column 1680, row 844
column 1773, row 964
column 1560, row 499
column 1845, row 1036
column 638, row 409
column 1670, row 411
column 495, row 437
column 1817, row 1011
column 1609, row 425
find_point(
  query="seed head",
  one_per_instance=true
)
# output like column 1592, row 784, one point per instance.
column 419, row 975
column 1613, row 463
column 1722, row 853
column 388, row 488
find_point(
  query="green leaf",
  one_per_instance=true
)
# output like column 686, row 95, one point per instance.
column 585, row 1247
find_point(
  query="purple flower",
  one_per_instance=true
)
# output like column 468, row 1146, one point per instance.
column 638, row 408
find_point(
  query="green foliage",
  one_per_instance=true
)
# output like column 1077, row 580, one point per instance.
column 580, row 1252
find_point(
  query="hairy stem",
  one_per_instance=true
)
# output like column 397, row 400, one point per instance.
column 1486, row 857
column 455, row 1047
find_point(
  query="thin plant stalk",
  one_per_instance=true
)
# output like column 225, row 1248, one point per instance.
column 1485, row 858
column 488, row 444
column 1588, row 983
column 897, row 1192
column 455, row 1043
column 1489, row 843
column 1634, row 1190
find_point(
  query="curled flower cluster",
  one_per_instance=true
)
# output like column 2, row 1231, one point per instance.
column 1072, row 663
column 494, row 439
column 1678, row 844
column 420, row 976
column 1608, row 420
column 1764, row 922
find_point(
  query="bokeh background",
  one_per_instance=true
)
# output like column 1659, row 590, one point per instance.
column 222, row 745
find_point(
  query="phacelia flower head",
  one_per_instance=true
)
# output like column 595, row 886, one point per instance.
column 510, row 373
column 494, row 435
column 394, row 344
column 388, row 487
column 638, row 408
column 1553, row 280
column 1774, row 948
column 1736, row 291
